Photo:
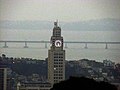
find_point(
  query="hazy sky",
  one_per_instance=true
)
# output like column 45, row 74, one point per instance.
column 64, row 10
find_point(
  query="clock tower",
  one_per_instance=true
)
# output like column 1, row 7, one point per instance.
column 56, row 57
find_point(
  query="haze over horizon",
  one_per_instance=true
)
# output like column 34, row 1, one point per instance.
column 64, row 10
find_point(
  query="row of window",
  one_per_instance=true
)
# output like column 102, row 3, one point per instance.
column 58, row 56
column 58, row 77
column 58, row 71
column 58, row 63
column 58, row 60
column 58, row 66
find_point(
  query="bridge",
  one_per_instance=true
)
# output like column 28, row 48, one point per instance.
column 65, row 42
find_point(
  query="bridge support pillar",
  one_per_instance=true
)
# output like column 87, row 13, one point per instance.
column 66, row 45
column 25, row 45
column 86, row 47
column 45, row 45
column 106, row 47
column 5, row 46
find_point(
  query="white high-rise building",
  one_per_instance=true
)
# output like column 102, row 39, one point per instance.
column 56, row 57
column 56, row 64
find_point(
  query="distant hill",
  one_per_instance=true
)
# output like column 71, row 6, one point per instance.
column 94, row 25
column 29, row 25
column 91, row 25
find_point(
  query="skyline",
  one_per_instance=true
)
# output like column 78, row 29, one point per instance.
column 65, row 11
column 49, row 10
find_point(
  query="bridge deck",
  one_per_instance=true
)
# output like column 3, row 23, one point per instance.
column 88, row 42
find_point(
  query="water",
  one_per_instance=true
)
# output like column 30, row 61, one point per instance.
column 73, row 52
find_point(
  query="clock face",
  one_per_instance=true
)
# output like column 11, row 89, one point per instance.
column 58, row 43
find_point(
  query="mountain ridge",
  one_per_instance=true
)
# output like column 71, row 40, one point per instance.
column 91, row 25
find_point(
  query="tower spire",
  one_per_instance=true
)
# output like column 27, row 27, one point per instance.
column 56, row 23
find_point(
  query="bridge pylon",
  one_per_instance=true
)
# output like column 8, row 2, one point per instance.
column 86, row 47
column 5, row 45
column 66, row 45
column 106, row 46
column 25, row 45
column 45, row 45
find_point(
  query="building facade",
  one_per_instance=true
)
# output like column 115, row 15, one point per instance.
column 56, row 57
column 33, row 86
column 3, row 76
